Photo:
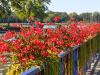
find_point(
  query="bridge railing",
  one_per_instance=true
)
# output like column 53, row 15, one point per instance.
column 75, row 61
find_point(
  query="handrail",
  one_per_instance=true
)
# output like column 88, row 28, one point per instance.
column 31, row 71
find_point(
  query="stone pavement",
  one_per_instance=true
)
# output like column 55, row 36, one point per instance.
column 3, row 68
column 95, row 68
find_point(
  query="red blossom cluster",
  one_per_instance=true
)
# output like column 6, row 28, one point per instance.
column 56, row 19
column 35, row 43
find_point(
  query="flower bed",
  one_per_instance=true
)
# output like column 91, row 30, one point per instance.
column 38, row 46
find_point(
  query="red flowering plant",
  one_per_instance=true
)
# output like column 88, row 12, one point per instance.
column 56, row 19
column 30, row 45
column 35, row 45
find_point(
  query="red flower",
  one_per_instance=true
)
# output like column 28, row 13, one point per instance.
column 5, row 47
column 28, row 33
column 45, row 54
column 32, row 57
column 38, row 31
column 43, row 46
column 52, row 40
column 24, row 60
column 4, row 61
column 8, row 35
column 49, row 31
column 68, row 45
column 22, row 33
column 20, row 55
column 36, row 42
column 41, row 25
column 16, row 47
column 56, row 19
column 28, row 47
column 59, row 43
column 52, row 48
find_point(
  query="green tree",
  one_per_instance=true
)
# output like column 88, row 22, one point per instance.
column 50, row 15
column 73, row 15
column 5, row 10
column 76, row 16
column 26, row 8
column 87, row 17
column 96, row 17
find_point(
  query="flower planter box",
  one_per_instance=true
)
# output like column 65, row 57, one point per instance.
column 73, row 61
column 39, row 71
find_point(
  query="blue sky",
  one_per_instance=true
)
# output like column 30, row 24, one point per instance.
column 78, row 6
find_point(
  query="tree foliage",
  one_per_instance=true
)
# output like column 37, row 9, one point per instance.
column 27, row 8
column 87, row 17
column 5, row 10
column 23, row 8
column 96, row 17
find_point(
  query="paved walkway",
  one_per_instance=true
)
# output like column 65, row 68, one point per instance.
column 95, row 68
column 3, row 68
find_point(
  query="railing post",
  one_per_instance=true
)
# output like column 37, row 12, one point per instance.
column 61, row 66
column 62, row 62
column 76, row 60
column 97, row 50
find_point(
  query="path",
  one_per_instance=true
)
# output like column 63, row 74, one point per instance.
column 95, row 68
